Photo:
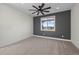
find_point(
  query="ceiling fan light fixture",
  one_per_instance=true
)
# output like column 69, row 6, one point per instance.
column 40, row 9
column 57, row 8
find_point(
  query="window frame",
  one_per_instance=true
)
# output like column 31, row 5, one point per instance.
column 52, row 18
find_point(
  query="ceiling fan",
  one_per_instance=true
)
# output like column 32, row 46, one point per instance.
column 40, row 9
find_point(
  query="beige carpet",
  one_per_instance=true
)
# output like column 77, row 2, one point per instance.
column 40, row 46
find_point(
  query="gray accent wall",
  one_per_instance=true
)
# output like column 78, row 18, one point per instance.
column 63, row 27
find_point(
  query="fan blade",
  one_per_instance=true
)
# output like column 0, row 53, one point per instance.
column 34, row 12
column 38, row 13
column 35, row 7
column 45, row 11
column 47, row 8
column 42, row 5
column 42, row 13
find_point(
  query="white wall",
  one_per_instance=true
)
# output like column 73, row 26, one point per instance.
column 75, row 25
column 14, row 25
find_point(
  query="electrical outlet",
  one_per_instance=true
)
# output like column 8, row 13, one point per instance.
column 62, row 36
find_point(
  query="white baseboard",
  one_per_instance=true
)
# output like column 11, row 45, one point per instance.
column 52, row 38
column 75, row 44
column 13, row 42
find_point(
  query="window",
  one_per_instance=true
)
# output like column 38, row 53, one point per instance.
column 48, row 23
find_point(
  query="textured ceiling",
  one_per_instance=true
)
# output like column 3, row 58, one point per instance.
column 55, row 7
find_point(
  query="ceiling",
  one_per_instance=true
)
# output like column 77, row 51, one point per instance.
column 55, row 7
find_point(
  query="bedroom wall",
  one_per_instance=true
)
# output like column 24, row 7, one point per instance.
column 63, row 21
column 75, row 25
column 14, row 25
